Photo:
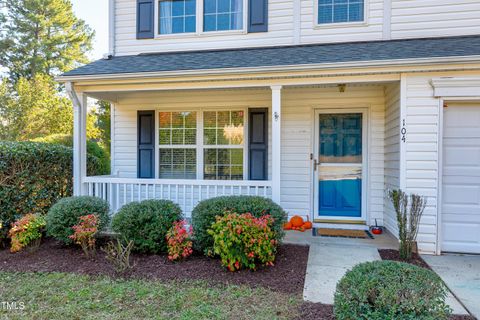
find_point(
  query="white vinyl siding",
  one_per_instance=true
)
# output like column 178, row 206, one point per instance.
column 422, row 149
column 297, row 126
column 434, row 18
column 290, row 25
column 392, row 151
column 280, row 32
column 297, row 142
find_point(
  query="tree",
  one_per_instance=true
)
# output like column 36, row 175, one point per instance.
column 42, row 37
column 33, row 108
column 103, row 113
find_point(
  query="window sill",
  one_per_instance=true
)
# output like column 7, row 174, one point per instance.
column 340, row 25
column 200, row 34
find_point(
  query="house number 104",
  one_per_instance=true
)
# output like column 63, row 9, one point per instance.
column 404, row 131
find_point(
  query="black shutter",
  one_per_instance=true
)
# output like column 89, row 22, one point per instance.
column 258, row 144
column 257, row 16
column 146, row 144
column 145, row 17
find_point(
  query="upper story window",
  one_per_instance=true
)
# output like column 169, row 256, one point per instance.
column 337, row 11
column 176, row 16
column 222, row 15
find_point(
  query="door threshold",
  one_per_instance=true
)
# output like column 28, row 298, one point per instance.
column 360, row 222
column 345, row 226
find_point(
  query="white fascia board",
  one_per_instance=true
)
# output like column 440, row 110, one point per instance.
column 298, row 67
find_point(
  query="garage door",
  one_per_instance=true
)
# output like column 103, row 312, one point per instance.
column 461, row 179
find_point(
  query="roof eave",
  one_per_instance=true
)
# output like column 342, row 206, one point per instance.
column 279, row 68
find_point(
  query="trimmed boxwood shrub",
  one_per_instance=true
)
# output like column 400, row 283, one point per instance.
column 66, row 213
column 390, row 290
column 34, row 176
column 205, row 213
column 146, row 223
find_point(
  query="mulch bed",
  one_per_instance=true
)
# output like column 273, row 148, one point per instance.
column 394, row 255
column 287, row 276
column 387, row 254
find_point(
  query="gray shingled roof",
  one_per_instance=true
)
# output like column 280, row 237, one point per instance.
column 286, row 55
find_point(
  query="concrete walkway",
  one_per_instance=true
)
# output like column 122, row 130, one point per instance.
column 462, row 276
column 327, row 264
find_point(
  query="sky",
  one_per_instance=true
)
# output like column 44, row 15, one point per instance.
column 95, row 14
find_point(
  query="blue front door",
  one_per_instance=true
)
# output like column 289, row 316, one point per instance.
column 339, row 167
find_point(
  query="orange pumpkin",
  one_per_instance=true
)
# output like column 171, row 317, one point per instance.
column 297, row 221
column 287, row 226
column 307, row 225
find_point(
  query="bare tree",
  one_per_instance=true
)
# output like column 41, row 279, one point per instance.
column 408, row 219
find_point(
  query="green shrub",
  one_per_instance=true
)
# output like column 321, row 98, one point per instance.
column 93, row 149
column 243, row 241
column 66, row 213
column 205, row 213
column 146, row 223
column 34, row 176
column 390, row 290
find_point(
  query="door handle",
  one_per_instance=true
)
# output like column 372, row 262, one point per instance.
column 316, row 163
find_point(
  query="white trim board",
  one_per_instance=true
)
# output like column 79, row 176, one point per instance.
column 461, row 88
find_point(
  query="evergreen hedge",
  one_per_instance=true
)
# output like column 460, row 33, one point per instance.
column 93, row 149
column 33, row 177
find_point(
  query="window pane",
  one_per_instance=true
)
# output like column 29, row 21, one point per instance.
column 223, row 164
column 190, row 7
column 178, row 8
column 223, row 15
column 325, row 14
column 223, row 127
column 223, row 6
column 178, row 128
column 210, row 6
column 178, row 164
column 177, row 16
column 340, row 11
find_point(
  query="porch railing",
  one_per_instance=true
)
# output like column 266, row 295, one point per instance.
column 186, row 193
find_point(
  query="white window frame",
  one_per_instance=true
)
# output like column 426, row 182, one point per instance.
column 363, row 23
column 171, row 146
column 199, row 24
column 199, row 146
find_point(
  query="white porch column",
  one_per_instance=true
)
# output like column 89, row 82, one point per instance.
column 79, row 139
column 276, row 141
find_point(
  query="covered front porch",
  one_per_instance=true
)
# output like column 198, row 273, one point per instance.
column 271, row 147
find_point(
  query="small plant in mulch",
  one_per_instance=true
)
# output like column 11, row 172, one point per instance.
column 409, row 210
column 244, row 241
column 85, row 232
column 118, row 254
column 27, row 232
column 179, row 241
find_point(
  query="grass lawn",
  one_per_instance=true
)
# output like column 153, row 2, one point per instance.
column 71, row 296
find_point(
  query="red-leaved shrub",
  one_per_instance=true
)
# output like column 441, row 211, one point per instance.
column 84, row 233
column 179, row 241
column 244, row 241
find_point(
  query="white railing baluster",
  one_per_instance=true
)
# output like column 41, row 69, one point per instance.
column 191, row 197
column 186, row 193
column 110, row 194
column 124, row 194
column 117, row 196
